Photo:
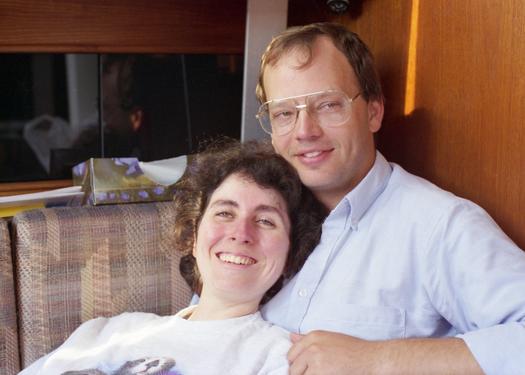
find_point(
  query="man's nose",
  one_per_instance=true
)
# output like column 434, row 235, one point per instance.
column 306, row 126
column 242, row 231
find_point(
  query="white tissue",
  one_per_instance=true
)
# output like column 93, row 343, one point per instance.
column 166, row 171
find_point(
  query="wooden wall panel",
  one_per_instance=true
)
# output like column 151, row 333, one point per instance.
column 466, row 128
column 470, row 66
column 181, row 26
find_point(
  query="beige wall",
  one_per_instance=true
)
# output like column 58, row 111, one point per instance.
column 455, row 93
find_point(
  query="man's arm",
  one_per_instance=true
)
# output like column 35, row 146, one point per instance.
column 322, row 352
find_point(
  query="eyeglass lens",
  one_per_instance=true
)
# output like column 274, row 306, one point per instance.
column 329, row 108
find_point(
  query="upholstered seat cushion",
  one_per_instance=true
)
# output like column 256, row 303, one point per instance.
column 8, row 336
column 74, row 264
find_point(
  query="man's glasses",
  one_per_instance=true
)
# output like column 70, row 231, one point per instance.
column 330, row 108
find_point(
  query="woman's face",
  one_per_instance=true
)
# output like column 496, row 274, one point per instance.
column 242, row 241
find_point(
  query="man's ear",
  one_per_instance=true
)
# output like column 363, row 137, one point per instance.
column 375, row 115
column 136, row 118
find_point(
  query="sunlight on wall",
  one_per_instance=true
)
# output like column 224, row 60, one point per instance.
column 410, row 86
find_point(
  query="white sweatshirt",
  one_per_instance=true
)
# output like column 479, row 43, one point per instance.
column 143, row 343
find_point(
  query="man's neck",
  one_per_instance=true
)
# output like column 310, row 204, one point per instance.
column 330, row 198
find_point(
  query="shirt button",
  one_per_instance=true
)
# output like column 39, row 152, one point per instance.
column 303, row 293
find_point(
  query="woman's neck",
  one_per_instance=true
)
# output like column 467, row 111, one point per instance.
column 210, row 308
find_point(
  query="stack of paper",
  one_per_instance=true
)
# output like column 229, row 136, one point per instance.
column 11, row 205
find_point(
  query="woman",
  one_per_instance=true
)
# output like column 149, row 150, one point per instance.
column 244, row 221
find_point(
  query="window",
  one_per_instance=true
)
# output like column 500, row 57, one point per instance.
column 60, row 109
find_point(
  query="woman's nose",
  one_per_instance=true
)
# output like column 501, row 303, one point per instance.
column 242, row 231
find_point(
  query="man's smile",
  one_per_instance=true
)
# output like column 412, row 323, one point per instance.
column 310, row 157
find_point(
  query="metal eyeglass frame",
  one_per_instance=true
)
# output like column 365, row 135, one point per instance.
column 261, row 113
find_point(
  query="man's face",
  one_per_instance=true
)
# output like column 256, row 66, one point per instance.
column 116, row 119
column 331, row 161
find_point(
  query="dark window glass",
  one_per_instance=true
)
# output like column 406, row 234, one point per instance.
column 153, row 107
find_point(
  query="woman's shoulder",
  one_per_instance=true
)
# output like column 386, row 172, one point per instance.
column 270, row 343
column 269, row 330
column 100, row 327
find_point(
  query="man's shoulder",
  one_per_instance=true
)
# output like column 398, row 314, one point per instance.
column 406, row 182
column 421, row 195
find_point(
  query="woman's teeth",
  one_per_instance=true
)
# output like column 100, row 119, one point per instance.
column 236, row 259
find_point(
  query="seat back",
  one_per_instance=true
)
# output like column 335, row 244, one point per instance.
column 9, row 362
column 74, row 264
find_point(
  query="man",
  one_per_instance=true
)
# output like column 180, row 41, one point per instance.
column 412, row 278
column 142, row 108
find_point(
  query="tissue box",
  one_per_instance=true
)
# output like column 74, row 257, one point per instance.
column 118, row 180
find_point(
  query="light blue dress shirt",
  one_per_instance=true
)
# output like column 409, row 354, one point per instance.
column 400, row 257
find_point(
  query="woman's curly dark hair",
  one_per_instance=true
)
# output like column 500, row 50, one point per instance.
column 258, row 163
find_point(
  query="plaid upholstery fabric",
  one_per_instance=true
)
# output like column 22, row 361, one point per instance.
column 74, row 264
column 8, row 334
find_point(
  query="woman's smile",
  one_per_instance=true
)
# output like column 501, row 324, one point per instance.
column 236, row 259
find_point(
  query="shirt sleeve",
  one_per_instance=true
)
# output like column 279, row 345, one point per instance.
column 84, row 332
column 277, row 362
column 35, row 367
column 477, row 283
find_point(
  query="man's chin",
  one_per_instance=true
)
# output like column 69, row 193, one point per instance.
column 315, row 178
column 317, row 184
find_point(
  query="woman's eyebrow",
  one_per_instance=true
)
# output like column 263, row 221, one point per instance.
column 267, row 208
column 259, row 208
column 224, row 202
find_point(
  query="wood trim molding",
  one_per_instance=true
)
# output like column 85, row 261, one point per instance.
column 142, row 26
column 14, row 188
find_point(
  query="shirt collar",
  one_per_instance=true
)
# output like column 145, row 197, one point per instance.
column 366, row 192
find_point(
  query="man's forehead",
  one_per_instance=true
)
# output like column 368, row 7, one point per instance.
column 301, row 56
column 298, row 72
column 297, row 56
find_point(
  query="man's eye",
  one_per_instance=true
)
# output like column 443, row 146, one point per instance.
column 282, row 115
column 329, row 106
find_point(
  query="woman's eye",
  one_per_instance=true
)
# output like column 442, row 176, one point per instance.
column 224, row 214
column 266, row 222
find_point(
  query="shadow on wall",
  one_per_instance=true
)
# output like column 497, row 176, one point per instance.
column 400, row 136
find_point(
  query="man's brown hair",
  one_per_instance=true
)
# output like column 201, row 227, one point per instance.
column 302, row 38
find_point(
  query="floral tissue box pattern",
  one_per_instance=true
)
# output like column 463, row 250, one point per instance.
column 117, row 180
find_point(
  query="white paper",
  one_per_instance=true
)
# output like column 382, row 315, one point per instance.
column 50, row 196
column 165, row 172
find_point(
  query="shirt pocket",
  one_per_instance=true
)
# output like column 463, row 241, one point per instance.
column 366, row 322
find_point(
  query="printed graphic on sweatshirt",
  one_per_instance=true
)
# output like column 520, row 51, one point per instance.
column 143, row 366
